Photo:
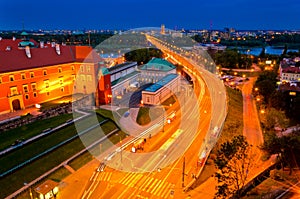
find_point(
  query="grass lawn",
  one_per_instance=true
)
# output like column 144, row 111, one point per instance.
column 45, row 163
column 28, row 151
column 83, row 159
column 29, row 130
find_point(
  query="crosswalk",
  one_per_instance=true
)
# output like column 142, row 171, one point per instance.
column 105, row 176
column 142, row 183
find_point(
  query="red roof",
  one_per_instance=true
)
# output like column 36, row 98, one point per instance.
column 13, row 44
column 16, row 59
column 291, row 70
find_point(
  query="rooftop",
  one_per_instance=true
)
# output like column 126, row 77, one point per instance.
column 291, row 69
column 46, row 187
column 158, row 64
column 161, row 83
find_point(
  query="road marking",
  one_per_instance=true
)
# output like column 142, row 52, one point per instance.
column 144, row 186
column 165, row 194
column 154, row 182
column 156, row 186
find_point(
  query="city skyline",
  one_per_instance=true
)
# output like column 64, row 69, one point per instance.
column 242, row 15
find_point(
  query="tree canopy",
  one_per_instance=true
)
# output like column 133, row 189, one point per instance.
column 233, row 162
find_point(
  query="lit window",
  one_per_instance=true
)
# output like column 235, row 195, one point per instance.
column 82, row 68
column 45, row 72
column 31, row 74
column 33, row 86
column 26, row 96
column 59, row 70
column 25, row 88
column 83, row 78
column 46, row 83
column 89, row 78
column 11, row 78
column 14, row 91
column 23, row 76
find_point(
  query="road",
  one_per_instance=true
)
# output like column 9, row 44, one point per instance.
column 167, row 171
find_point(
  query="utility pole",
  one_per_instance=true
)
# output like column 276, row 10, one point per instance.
column 183, row 171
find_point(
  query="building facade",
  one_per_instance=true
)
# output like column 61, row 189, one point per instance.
column 32, row 75
column 161, row 90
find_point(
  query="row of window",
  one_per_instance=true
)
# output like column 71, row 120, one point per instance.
column 62, row 89
column 45, row 73
column 32, row 74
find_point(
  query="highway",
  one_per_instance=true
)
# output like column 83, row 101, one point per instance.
column 163, row 172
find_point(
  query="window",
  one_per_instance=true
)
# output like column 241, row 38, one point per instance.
column 45, row 72
column 62, row 89
column 14, row 91
column 0, row 80
column 89, row 78
column 23, row 76
column 34, row 94
column 83, row 78
column 31, row 74
column 73, row 77
column 59, row 70
column 61, row 80
column 82, row 68
column 72, row 67
column 26, row 96
column 88, row 69
column 11, row 78
column 48, row 93
column 46, row 83
column 33, row 86
column 25, row 88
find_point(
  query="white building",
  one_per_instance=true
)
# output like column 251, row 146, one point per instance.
column 155, row 70
column 161, row 90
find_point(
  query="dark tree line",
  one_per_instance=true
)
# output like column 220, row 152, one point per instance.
column 144, row 55
column 232, row 59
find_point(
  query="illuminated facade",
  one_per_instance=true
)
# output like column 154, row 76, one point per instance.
column 48, row 71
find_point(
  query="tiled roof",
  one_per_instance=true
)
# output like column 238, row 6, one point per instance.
column 16, row 59
column 13, row 44
column 291, row 70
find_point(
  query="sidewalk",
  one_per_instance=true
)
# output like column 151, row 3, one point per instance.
column 16, row 114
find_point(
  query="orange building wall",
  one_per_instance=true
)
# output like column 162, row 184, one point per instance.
column 53, row 75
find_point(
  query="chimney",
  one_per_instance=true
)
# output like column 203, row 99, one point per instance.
column 14, row 39
column 41, row 44
column 27, row 51
column 57, row 48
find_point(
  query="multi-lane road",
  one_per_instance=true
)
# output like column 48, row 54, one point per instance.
column 170, row 159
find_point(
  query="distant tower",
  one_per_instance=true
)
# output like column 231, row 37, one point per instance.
column 162, row 29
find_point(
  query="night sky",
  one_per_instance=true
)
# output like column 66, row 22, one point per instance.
column 175, row 14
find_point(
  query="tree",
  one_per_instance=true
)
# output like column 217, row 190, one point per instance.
column 234, row 160
column 287, row 149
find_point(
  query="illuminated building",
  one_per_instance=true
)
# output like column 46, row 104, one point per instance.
column 42, row 72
